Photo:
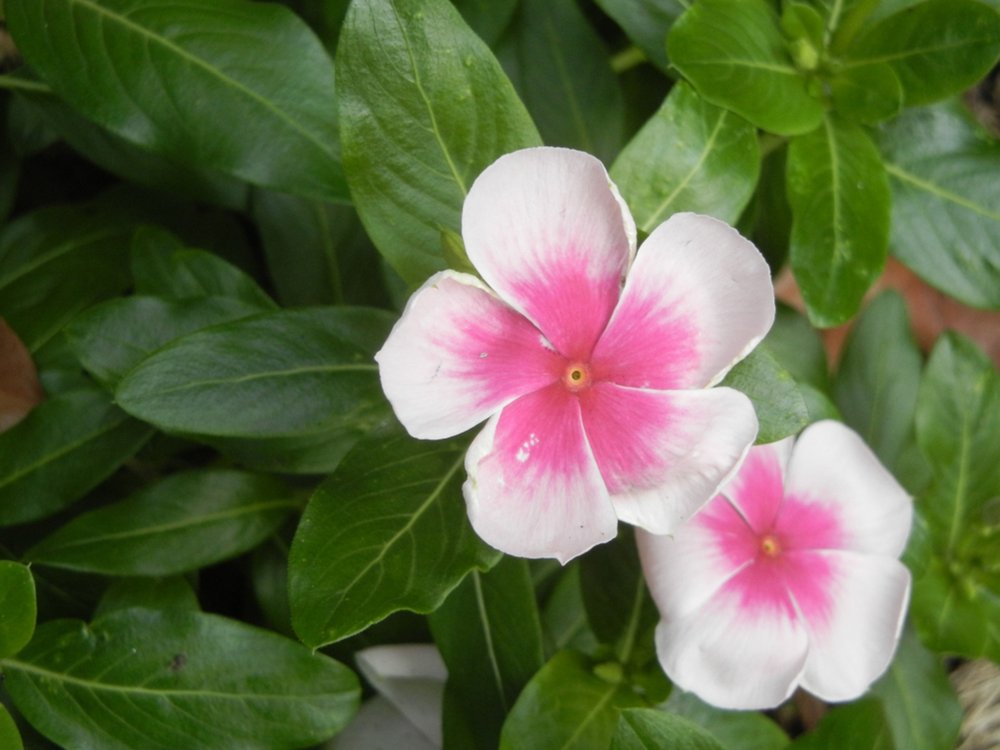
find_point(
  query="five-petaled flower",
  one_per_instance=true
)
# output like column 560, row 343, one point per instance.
column 596, row 394
column 789, row 577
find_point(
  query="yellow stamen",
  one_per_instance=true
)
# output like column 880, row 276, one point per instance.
column 769, row 545
column 577, row 376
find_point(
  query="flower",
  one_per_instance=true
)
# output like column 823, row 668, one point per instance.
column 789, row 577
column 596, row 395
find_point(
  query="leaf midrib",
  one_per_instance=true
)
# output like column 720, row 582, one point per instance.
column 264, row 375
column 937, row 190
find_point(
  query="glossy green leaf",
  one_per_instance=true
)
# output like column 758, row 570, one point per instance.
column 867, row 93
column 173, row 592
column 17, row 607
column 65, row 447
column 173, row 679
column 566, row 78
column 387, row 531
column 735, row 730
column 776, row 397
column 690, row 156
column 113, row 337
column 57, row 261
column 204, row 95
column 937, row 48
column 919, row 702
column 945, row 210
column 879, row 375
column 424, row 108
column 184, row 522
column 859, row 726
column 488, row 19
column 566, row 705
column 839, row 194
column 649, row 729
column 489, row 633
column 10, row 738
column 646, row 22
column 292, row 373
column 734, row 53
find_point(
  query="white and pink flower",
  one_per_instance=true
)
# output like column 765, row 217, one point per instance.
column 789, row 577
column 596, row 394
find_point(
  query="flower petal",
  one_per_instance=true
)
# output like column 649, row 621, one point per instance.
column 457, row 355
column 697, row 299
column 533, row 488
column 852, row 642
column 757, row 489
column 663, row 454
column 831, row 467
column 548, row 231
column 731, row 655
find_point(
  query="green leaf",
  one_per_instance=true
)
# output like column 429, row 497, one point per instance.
column 65, row 447
column 204, row 95
column 735, row 730
column 173, row 592
column 566, row 79
column 945, row 210
column 387, row 531
column 919, row 702
column 57, row 261
column 10, row 738
column 17, row 607
column 184, row 522
column 566, row 706
column 876, row 386
column 777, row 399
column 113, row 337
column 424, row 108
column 734, row 53
column 649, row 729
column 177, row 679
column 283, row 374
column 937, row 48
column 646, row 22
column 564, row 618
column 858, row 726
column 489, row 633
column 690, row 156
column 487, row 19
column 839, row 194
column 867, row 93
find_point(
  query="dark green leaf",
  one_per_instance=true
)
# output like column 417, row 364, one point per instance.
column 489, row 634
column 184, row 522
column 649, row 729
column 839, row 194
column 488, row 18
column 387, row 531
column 937, row 48
column 646, row 22
column 424, row 108
column 690, row 156
column 173, row 592
column 798, row 348
column 17, row 608
column 564, row 618
column 735, row 730
column 919, row 702
column 566, row 79
column 867, row 93
column 10, row 738
column 566, row 706
column 858, row 726
column 205, row 94
column 65, row 447
column 177, row 679
column 781, row 409
column 945, row 210
column 734, row 53
column 876, row 386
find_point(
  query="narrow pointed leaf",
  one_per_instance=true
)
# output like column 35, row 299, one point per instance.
column 646, row 22
column 424, row 108
column 388, row 531
column 17, row 608
column 203, row 74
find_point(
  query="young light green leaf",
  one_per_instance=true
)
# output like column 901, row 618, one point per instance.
column 184, row 522
column 839, row 194
column 18, row 608
column 646, row 22
column 919, row 702
column 203, row 73
column 777, row 399
column 566, row 78
column 734, row 53
column 64, row 448
column 650, row 729
column 690, row 156
column 176, row 678
column 937, row 48
column 424, row 108
column 945, row 212
column 387, row 531
column 568, row 706
column 10, row 738
column 173, row 592
column 489, row 633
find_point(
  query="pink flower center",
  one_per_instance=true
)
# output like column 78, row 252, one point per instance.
column 577, row 376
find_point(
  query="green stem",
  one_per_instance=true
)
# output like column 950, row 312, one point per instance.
column 13, row 83
column 627, row 59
